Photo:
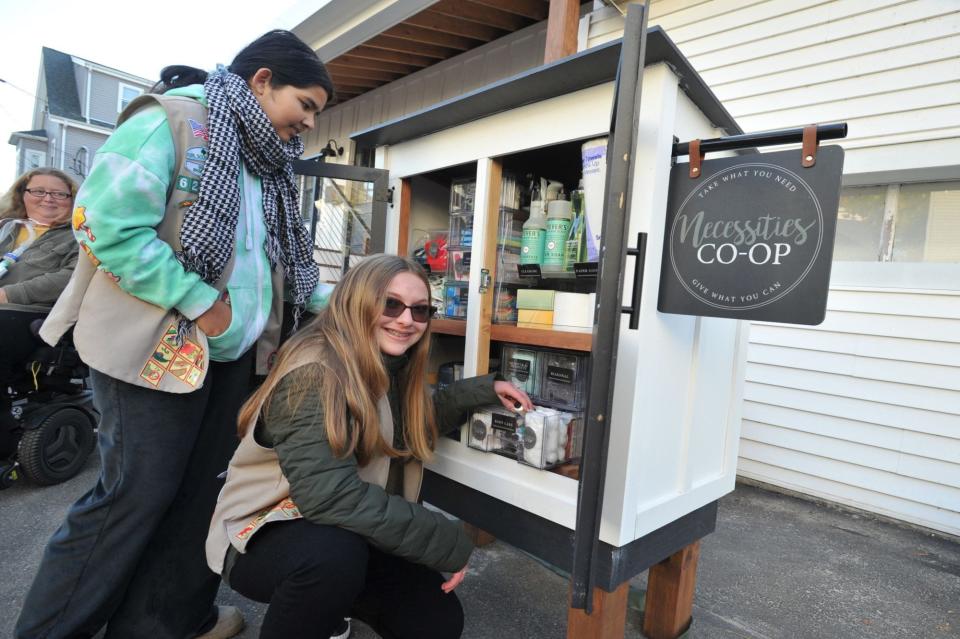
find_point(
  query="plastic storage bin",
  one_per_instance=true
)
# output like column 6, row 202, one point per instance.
column 521, row 367
column 494, row 429
column 562, row 379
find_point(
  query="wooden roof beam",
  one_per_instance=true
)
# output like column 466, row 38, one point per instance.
column 429, row 36
column 408, row 59
column 430, row 19
column 376, row 65
column 400, row 45
column 534, row 9
column 342, row 70
column 466, row 10
column 339, row 79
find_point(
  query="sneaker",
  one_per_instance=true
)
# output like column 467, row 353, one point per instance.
column 229, row 624
column 342, row 631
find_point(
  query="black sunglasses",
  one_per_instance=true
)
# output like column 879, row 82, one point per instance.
column 419, row 312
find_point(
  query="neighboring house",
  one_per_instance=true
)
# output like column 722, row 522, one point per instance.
column 864, row 409
column 77, row 105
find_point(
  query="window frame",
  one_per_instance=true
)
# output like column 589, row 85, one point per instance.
column 120, row 87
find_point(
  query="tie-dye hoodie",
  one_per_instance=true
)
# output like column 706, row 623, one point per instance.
column 125, row 197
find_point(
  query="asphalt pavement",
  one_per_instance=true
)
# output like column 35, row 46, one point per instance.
column 776, row 567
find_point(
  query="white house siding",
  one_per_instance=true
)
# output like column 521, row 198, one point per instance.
column 471, row 70
column 864, row 409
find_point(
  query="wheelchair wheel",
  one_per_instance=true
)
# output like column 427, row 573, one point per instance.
column 57, row 448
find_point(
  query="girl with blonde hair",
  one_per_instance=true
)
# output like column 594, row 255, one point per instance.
column 319, row 514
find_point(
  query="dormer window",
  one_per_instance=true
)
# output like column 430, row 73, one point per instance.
column 126, row 95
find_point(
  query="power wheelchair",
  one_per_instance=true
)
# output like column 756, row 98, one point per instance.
column 47, row 418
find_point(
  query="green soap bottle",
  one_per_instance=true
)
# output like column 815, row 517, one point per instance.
column 559, row 219
column 534, row 235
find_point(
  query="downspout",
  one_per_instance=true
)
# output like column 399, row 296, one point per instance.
column 89, row 82
column 63, row 146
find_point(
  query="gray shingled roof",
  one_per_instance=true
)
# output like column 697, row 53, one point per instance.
column 62, row 97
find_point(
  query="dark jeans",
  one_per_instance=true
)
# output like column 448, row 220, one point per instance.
column 16, row 342
column 131, row 551
column 313, row 576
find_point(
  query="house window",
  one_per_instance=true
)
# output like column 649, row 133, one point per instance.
column 126, row 95
column 33, row 160
column 899, row 223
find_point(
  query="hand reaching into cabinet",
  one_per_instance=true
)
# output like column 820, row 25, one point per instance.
column 510, row 396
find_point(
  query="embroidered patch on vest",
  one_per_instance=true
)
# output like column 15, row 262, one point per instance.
column 80, row 222
column 286, row 509
column 196, row 156
column 199, row 131
column 188, row 184
column 185, row 363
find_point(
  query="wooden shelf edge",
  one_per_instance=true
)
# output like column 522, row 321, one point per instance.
column 448, row 327
column 540, row 337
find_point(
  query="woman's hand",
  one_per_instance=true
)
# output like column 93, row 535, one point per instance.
column 3, row 296
column 510, row 396
column 216, row 320
column 455, row 580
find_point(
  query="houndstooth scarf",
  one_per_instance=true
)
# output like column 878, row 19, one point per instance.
column 239, row 128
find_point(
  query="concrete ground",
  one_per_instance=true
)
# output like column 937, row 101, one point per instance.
column 777, row 567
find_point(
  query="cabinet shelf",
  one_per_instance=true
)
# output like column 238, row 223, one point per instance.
column 542, row 337
column 448, row 327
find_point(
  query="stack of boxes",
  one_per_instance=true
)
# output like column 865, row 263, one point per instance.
column 552, row 434
column 459, row 245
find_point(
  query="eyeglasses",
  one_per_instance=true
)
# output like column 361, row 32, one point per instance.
column 419, row 312
column 40, row 194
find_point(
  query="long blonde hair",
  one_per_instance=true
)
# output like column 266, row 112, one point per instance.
column 352, row 378
column 11, row 204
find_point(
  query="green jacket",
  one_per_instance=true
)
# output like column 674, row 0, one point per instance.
column 35, row 282
column 328, row 490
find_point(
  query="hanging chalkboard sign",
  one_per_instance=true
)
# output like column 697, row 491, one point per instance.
column 752, row 237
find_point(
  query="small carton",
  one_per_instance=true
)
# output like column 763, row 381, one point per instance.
column 535, row 308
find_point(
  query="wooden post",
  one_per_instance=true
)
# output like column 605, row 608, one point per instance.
column 403, row 225
column 670, row 586
column 609, row 618
column 478, row 536
column 562, row 25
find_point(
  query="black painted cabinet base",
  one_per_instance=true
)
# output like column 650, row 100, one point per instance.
column 553, row 543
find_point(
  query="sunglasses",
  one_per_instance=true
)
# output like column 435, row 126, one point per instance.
column 419, row 312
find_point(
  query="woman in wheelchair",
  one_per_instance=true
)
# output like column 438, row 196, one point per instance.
column 37, row 255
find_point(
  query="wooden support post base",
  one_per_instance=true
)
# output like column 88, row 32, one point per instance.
column 609, row 618
column 670, row 586
column 477, row 536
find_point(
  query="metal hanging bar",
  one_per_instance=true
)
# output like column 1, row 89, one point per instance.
column 763, row 138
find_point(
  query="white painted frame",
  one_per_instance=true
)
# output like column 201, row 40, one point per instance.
column 656, row 472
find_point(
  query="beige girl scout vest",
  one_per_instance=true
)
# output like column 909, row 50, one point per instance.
column 256, row 492
column 123, row 336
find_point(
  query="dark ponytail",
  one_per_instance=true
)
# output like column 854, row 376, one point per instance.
column 290, row 60
column 176, row 76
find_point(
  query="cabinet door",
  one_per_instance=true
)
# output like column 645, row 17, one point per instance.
column 345, row 209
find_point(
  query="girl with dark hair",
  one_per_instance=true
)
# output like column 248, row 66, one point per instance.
column 319, row 514
column 190, row 225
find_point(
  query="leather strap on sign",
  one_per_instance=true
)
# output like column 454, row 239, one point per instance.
column 696, row 157
column 809, row 153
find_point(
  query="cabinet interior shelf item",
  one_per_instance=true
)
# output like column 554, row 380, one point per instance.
column 448, row 327
column 542, row 337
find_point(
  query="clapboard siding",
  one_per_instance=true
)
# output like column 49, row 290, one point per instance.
column 890, row 69
column 820, row 485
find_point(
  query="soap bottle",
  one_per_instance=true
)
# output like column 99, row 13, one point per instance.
column 559, row 219
column 534, row 235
